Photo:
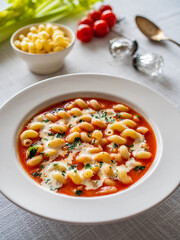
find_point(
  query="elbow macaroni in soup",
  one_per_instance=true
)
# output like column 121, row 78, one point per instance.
column 87, row 147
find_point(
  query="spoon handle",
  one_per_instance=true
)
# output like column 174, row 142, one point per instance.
column 173, row 42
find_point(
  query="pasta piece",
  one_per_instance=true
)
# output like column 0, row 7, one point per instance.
column 121, row 108
column 99, row 123
column 94, row 150
column 59, row 167
column 70, row 138
column 81, row 103
column 88, row 173
column 103, row 141
column 39, row 118
column 59, row 177
column 109, row 182
column 56, row 142
column 102, row 156
column 36, row 125
column 123, row 150
column 116, row 157
column 125, row 115
column 51, row 117
column 35, row 160
column 97, row 135
column 75, row 177
column 123, row 177
column 59, row 128
column 117, row 139
column 85, row 138
column 94, row 104
column 95, row 169
column 28, row 134
column 143, row 155
column 109, row 132
column 84, row 118
column 108, row 171
column 83, row 159
column 117, row 126
column 86, row 126
column 130, row 133
column 63, row 114
column 50, row 152
column 142, row 130
column 26, row 142
column 129, row 123
column 40, row 148
column 75, row 112
column 75, row 129
column 108, row 190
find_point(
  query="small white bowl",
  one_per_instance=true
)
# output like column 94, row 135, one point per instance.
column 43, row 63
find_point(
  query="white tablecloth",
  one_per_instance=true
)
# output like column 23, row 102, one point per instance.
column 160, row 222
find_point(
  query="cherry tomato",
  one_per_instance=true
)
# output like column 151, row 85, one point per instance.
column 109, row 17
column 104, row 8
column 94, row 15
column 84, row 33
column 100, row 28
column 86, row 20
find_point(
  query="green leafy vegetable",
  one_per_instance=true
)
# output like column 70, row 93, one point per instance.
column 138, row 168
column 115, row 145
column 23, row 12
column 72, row 167
column 32, row 151
column 36, row 174
column 77, row 142
column 138, row 116
column 60, row 135
column 100, row 164
column 46, row 120
column 78, row 192
column 87, row 166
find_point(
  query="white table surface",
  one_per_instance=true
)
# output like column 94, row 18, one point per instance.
column 160, row 222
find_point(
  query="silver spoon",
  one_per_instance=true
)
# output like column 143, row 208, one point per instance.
column 151, row 30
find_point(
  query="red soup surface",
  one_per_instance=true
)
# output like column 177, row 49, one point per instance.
column 87, row 147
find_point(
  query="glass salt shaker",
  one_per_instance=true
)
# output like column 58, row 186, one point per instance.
column 121, row 47
column 149, row 63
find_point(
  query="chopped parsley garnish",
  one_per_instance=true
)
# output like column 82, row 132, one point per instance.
column 55, row 164
column 80, row 120
column 89, row 135
column 104, row 114
column 138, row 116
column 147, row 150
column 115, row 145
column 139, row 168
column 46, row 120
column 50, row 134
column 36, row 174
column 57, row 110
column 63, row 173
column 130, row 146
column 100, row 164
column 60, row 135
column 78, row 192
column 32, row 151
column 71, row 146
column 93, row 141
column 47, row 180
column 113, row 161
column 87, row 166
column 54, row 189
column 118, row 115
column 45, row 139
column 72, row 167
column 42, row 166
column 74, row 116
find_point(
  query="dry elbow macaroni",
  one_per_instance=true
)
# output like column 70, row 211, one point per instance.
column 89, row 145
column 44, row 38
